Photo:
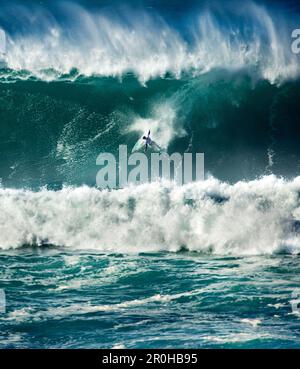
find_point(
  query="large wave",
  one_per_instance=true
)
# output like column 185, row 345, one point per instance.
column 66, row 40
column 257, row 217
column 52, row 133
column 230, row 89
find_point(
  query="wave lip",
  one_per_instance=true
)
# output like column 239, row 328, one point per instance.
column 97, row 43
column 247, row 218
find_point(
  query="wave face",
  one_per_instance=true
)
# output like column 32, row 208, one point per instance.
column 83, row 79
column 258, row 217
column 52, row 133
column 67, row 39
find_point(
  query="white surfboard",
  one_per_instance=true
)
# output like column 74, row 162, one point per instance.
column 141, row 146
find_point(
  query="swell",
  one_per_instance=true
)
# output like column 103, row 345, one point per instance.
column 248, row 218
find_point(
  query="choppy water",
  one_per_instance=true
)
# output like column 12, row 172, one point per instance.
column 63, row 299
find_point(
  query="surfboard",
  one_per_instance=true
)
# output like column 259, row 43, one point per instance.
column 140, row 146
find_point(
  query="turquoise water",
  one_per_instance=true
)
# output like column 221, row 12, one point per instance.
column 62, row 299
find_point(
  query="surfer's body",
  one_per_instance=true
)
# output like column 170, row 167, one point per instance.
column 148, row 140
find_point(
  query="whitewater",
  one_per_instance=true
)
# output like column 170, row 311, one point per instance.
column 247, row 218
column 67, row 40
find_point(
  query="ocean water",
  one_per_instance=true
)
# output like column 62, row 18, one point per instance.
column 210, row 264
column 62, row 299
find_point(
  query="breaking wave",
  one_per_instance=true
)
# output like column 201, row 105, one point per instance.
column 247, row 218
column 65, row 40
column 214, row 79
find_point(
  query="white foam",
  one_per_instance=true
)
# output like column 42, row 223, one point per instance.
column 95, row 43
column 237, row 337
column 254, row 217
column 118, row 346
column 20, row 314
column 81, row 309
column 162, row 125
column 253, row 322
column 277, row 305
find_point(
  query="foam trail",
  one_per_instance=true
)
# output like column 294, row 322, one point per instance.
column 257, row 217
column 97, row 43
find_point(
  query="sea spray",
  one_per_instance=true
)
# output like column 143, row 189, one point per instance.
column 68, row 37
column 256, row 217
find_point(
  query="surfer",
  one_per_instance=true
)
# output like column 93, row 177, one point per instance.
column 145, row 143
column 148, row 141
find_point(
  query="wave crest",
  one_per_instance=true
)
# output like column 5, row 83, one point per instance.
column 83, row 42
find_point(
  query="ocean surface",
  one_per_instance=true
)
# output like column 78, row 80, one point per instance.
column 63, row 299
column 209, row 264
